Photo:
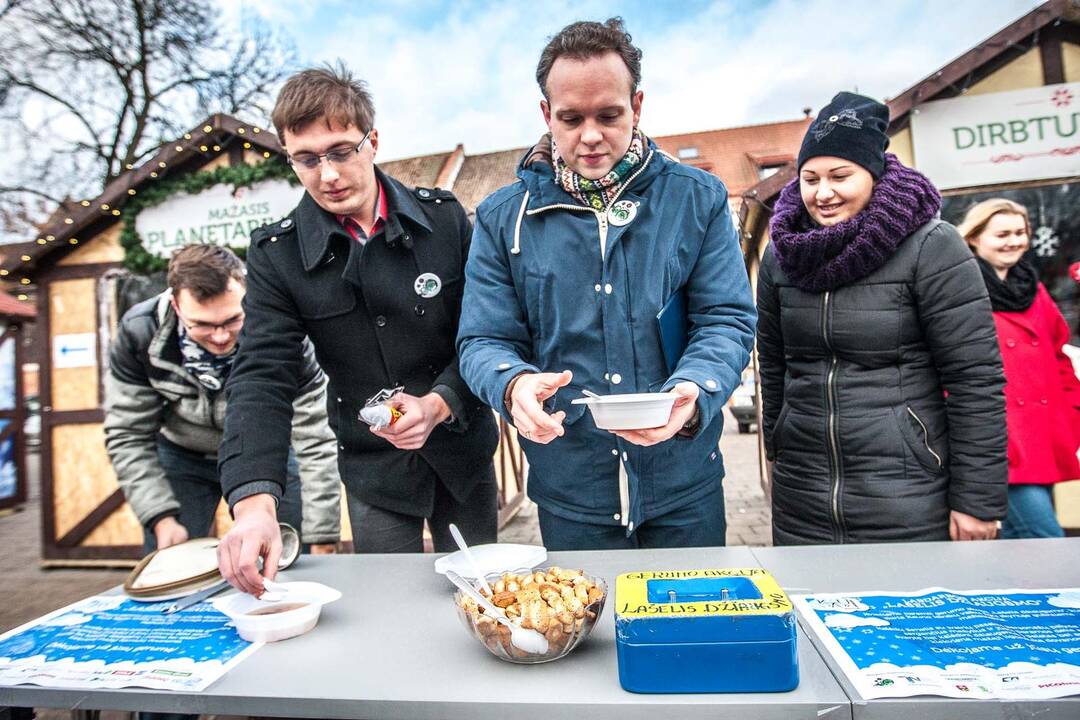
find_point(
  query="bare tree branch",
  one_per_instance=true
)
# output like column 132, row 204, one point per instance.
column 8, row 6
column 90, row 87
column 5, row 189
column 71, row 108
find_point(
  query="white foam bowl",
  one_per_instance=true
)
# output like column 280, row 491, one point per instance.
column 279, row 626
column 492, row 558
column 633, row 411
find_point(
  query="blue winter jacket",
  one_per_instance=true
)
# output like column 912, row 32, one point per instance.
column 552, row 285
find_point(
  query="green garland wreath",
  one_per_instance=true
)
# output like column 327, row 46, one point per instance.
column 136, row 258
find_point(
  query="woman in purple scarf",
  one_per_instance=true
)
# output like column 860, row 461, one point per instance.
column 884, row 416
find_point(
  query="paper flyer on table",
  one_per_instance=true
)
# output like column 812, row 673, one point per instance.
column 110, row 641
column 1004, row 644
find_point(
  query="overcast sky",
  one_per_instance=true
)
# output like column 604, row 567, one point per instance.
column 446, row 72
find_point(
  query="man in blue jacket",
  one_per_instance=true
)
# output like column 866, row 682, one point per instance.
column 568, row 269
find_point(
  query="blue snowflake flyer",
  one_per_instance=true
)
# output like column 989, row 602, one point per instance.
column 1003, row 644
column 110, row 641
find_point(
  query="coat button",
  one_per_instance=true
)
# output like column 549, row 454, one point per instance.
column 616, row 516
column 607, row 289
column 423, row 193
column 625, row 457
column 273, row 239
column 339, row 399
column 711, row 384
column 1010, row 343
column 630, row 526
column 614, row 451
column 341, row 447
column 1043, row 401
column 286, row 223
column 1035, row 343
column 1019, row 401
column 406, row 237
column 616, row 379
column 419, row 310
column 597, row 287
column 380, row 321
column 504, row 366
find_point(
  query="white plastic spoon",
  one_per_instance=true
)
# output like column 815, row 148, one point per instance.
column 460, row 540
column 590, row 393
column 523, row 639
column 275, row 591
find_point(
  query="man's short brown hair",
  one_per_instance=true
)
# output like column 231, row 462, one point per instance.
column 584, row 40
column 330, row 93
column 204, row 270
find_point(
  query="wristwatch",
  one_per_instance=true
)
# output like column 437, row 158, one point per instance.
column 507, row 402
column 691, row 427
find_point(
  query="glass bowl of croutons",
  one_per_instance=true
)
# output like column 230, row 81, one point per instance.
column 560, row 604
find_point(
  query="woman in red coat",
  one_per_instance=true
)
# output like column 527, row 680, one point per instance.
column 1042, row 394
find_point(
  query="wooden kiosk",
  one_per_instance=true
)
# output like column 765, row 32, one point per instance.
column 80, row 264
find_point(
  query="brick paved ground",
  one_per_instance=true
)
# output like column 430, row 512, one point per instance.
column 29, row 591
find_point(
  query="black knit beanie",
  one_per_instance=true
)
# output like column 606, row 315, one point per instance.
column 851, row 127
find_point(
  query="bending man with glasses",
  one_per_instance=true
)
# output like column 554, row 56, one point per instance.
column 165, row 408
column 372, row 271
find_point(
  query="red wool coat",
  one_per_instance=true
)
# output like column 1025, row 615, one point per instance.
column 1042, row 394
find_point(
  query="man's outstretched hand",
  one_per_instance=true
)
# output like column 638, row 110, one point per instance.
column 527, row 398
column 255, row 536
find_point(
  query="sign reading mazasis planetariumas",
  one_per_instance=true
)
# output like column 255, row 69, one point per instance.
column 1004, row 137
column 220, row 215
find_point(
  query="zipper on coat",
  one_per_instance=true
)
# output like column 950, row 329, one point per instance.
column 602, row 231
column 926, row 437
column 601, row 221
column 624, row 495
column 834, row 443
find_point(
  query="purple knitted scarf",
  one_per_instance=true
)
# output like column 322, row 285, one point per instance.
column 818, row 258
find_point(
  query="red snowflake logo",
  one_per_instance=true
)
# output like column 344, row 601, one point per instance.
column 1061, row 98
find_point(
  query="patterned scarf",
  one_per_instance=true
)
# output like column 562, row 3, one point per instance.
column 598, row 194
column 209, row 369
column 819, row 258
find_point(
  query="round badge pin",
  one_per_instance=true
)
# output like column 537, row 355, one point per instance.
column 428, row 285
column 622, row 213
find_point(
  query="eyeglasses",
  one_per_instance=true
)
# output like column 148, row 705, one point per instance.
column 337, row 156
column 202, row 329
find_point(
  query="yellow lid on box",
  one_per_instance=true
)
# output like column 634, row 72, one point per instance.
column 699, row 593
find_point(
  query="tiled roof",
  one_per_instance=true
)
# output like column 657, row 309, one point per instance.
column 482, row 175
column 420, row 171
column 736, row 155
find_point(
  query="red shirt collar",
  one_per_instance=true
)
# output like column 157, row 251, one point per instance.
column 381, row 213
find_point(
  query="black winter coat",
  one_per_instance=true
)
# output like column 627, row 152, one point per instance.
column 883, row 399
column 371, row 330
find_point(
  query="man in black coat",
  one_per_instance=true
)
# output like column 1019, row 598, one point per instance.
column 372, row 272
